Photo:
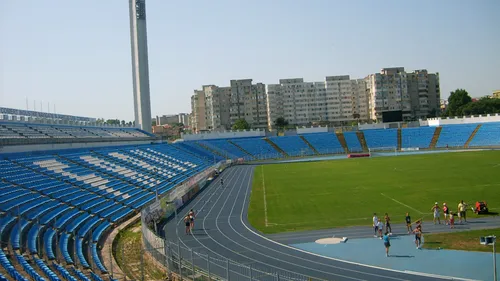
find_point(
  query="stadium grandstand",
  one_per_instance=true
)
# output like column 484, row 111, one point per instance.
column 32, row 127
column 58, row 205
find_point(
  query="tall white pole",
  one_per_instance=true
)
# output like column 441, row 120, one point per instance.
column 494, row 259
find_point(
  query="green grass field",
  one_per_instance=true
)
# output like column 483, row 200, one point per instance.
column 326, row 194
column 463, row 240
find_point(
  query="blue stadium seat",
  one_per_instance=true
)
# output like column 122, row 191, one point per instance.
column 89, row 224
column 258, row 147
column 325, row 143
column 63, row 246
column 16, row 232
column 292, row 145
column 417, row 137
column 378, row 138
column 455, row 135
column 5, row 263
column 82, row 192
column 79, row 253
column 48, row 237
column 352, row 142
column 33, row 238
column 28, row 269
column 80, row 274
column 96, row 235
column 46, row 270
column 226, row 147
column 64, row 272
column 487, row 135
column 97, row 260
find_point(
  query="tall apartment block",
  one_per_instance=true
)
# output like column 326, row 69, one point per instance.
column 336, row 100
column 210, row 108
column 218, row 108
column 416, row 93
column 248, row 101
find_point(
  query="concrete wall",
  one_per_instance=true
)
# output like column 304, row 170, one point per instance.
column 223, row 135
column 60, row 146
column 463, row 120
column 312, row 130
column 379, row 126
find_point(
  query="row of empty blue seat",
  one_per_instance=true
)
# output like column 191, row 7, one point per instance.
column 71, row 198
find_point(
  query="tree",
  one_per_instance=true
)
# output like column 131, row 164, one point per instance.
column 456, row 101
column 123, row 123
column 241, row 124
column 280, row 122
column 482, row 106
column 113, row 122
column 153, row 122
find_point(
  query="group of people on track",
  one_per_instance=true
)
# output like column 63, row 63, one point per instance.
column 189, row 221
column 378, row 225
column 190, row 216
column 378, row 228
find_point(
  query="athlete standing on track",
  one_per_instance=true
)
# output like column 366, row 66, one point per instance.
column 187, row 222
column 387, row 243
column 191, row 219
column 408, row 223
column 375, row 224
column 418, row 236
column 221, row 182
column 388, row 224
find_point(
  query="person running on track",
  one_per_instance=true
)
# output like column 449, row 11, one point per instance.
column 221, row 182
column 387, row 243
column 191, row 219
column 408, row 223
column 418, row 236
column 375, row 225
column 187, row 222
column 446, row 212
column 388, row 224
column 435, row 210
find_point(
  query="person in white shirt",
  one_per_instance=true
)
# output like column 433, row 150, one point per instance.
column 380, row 229
column 375, row 224
column 436, row 209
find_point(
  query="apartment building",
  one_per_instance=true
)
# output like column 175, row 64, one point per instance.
column 416, row 94
column 337, row 100
column 217, row 108
column 248, row 101
column 210, row 108
column 198, row 120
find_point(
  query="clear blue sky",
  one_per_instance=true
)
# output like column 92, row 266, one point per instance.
column 76, row 54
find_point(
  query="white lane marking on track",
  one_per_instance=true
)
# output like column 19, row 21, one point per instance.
column 232, row 172
column 265, row 199
column 251, row 250
column 241, row 187
column 339, row 260
column 300, row 258
column 403, row 204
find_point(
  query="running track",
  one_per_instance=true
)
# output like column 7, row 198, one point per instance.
column 222, row 231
